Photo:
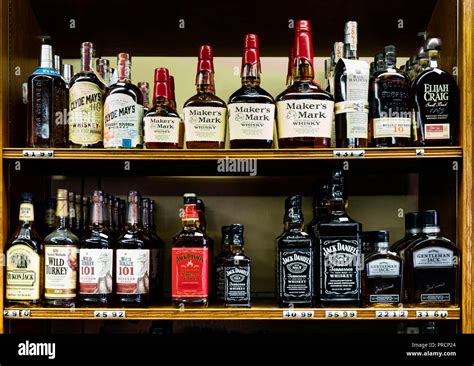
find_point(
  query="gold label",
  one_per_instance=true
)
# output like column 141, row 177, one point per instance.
column 86, row 113
column 27, row 212
column 60, row 263
column 62, row 209
column 23, row 276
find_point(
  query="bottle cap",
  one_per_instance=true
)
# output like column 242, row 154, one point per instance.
column 430, row 218
column 62, row 194
column 71, row 196
column 350, row 35
column 433, row 44
column 251, row 53
column 26, row 197
column 145, row 202
column 47, row 56
column 338, row 50
column 303, row 41
column 421, row 53
column 226, row 234
column 132, row 197
column 294, row 213
column 337, row 185
column 237, row 234
column 190, row 198
column 412, row 221
column 205, row 59
column 381, row 236
column 161, row 75
column 58, row 63
column 98, row 197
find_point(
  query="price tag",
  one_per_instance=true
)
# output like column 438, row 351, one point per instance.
column 11, row 313
column 298, row 314
column 436, row 314
column 120, row 314
column 349, row 314
column 420, row 152
column 348, row 153
column 391, row 314
column 38, row 153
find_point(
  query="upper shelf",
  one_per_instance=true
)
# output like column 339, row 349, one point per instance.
column 174, row 28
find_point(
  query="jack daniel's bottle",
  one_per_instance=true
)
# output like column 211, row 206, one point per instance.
column 339, row 250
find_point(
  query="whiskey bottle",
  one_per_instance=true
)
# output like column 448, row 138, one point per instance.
column 237, row 271
column 132, row 279
column 160, row 246
column 96, row 259
column 47, row 104
column 79, row 229
column 295, row 259
column 162, row 124
column 60, row 259
column 102, row 67
column 172, row 94
column 67, row 73
column 220, row 262
column 351, row 88
column 109, row 208
column 412, row 232
column 86, row 213
column 24, row 252
column 379, row 67
column 391, row 115
column 251, row 108
column 336, row 55
column 205, row 113
column 49, row 217
column 435, row 95
column 304, row 111
column 382, row 278
column 86, row 99
column 433, row 266
column 320, row 209
column 123, row 110
column 339, row 250
column 190, row 258
column 72, row 213
column 145, row 89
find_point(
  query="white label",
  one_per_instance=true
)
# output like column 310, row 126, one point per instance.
column 433, row 257
column 383, row 268
column 341, row 314
column 305, row 118
column 391, row 314
column 60, row 271
column 133, row 271
column 392, row 127
column 205, row 123
column 38, row 153
column 161, row 129
column 432, row 314
column 437, row 131
column 122, row 121
column 298, row 314
column 95, row 271
column 420, row 152
column 120, row 314
column 23, row 274
column 251, row 121
column 348, row 153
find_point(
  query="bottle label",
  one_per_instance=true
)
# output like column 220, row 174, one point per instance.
column 95, row 271
column 123, row 118
column 60, row 271
column 305, row 118
column 27, row 212
column 251, row 121
column 50, row 217
column 340, row 262
column 439, row 131
column 296, row 273
column 190, row 271
column 356, row 106
column 435, row 297
column 133, row 271
column 220, row 281
column 86, row 113
column 205, row 123
column 433, row 257
column 237, row 283
column 384, row 299
column 161, row 129
column 389, row 127
column 23, row 275
column 383, row 268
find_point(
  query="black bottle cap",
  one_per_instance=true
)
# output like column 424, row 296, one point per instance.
column 26, row 197
column 226, row 234
column 430, row 218
column 294, row 214
column 237, row 234
column 390, row 55
column 412, row 221
column 200, row 205
column 379, row 236
column 190, row 199
column 337, row 185
column 433, row 44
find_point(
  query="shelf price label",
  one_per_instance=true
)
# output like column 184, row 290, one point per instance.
column 298, row 314
column 38, row 154
column 341, row 314
column 420, row 152
column 391, row 314
column 434, row 314
column 348, row 153
column 16, row 313
column 120, row 314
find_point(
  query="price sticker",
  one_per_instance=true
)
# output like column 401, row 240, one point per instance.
column 391, row 314
column 341, row 314
column 298, row 314
column 38, row 153
column 348, row 153
column 109, row 314
column 432, row 314
column 11, row 313
column 420, row 152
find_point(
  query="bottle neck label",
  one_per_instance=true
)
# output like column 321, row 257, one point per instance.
column 161, row 129
column 95, row 271
column 133, row 270
column 23, row 273
column 205, row 123
column 27, row 212
column 190, row 272
column 251, row 121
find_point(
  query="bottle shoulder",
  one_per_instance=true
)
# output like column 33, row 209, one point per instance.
column 434, row 75
column 383, row 255
column 127, row 89
column 161, row 110
column 304, row 90
column 90, row 77
column 251, row 94
column 97, row 239
column 205, row 100
column 294, row 238
column 190, row 238
column 62, row 236
column 432, row 241
column 31, row 240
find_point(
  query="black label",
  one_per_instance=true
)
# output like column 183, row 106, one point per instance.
column 296, row 270
column 237, row 284
column 390, row 299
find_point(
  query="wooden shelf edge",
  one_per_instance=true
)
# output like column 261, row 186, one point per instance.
column 271, row 154
column 214, row 313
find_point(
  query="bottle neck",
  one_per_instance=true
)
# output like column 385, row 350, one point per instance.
column 47, row 57
column 86, row 60
column 146, row 218
column 123, row 71
column 133, row 220
column 98, row 215
column 27, row 215
column 431, row 230
column 350, row 52
column 236, row 249
column 337, row 206
column 382, row 247
column 205, row 82
column 62, row 213
column 250, row 75
column 161, row 93
column 433, row 57
column 303, row 70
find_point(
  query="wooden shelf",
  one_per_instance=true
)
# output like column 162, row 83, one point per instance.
column 220, row 313
column 271, row 154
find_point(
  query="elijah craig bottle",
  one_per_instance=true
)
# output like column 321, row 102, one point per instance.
column 340, row 248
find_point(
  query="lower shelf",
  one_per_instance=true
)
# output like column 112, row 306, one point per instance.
column 263, row 312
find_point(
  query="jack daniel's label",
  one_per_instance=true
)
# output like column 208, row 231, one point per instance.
column 189, row 272
column 433, row 257
column 296, row 273
column 340, row 267
column 237, row 284
column 205, row 123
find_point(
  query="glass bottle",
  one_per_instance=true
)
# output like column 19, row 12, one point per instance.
column 289, row 75
column 220, row 262
column 172, row 94
column 379, row 66
column 304, row 111
column 86, row 213
column 320, row 209
column 123, row 110
column 60, row 259
column 412, row 232
column 145, row 89
column 102, row 66
column 251, row 108
column 49, row 217
column 72, row 213
column 96, row 259
column 24, row 255
column 79, row 228
column 205, row 113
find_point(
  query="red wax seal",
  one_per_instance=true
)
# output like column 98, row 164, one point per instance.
column 161, row 83
column 303, row 41
column 251, row 55
column 206, row 59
